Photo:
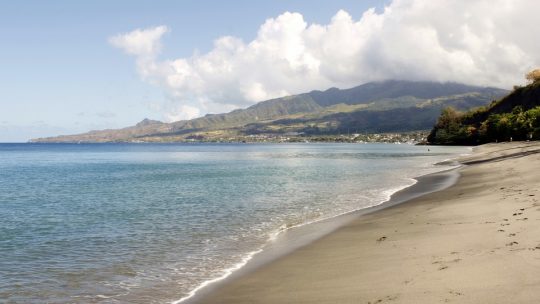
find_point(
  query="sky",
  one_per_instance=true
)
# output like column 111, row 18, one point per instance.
column 72, row 66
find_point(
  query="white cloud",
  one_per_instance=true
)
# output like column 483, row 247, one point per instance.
column 483, row 42
column 182, row 112
column 140, row 42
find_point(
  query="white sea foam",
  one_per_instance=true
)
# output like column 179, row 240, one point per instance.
column 227, row 272
column 386, row 197
column 387, row 194
column 273, row 236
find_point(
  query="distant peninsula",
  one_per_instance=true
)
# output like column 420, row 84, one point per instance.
column 396, row 107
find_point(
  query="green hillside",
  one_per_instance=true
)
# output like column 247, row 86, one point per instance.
column 514, row 117
column 388, row 106
column 387, row 115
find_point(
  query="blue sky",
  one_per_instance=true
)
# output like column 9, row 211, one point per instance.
column 59, row 74
column 74, row 66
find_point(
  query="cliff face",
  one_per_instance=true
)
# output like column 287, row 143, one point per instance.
column 388, row 106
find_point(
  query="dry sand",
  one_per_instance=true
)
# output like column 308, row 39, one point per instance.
column 475, row 242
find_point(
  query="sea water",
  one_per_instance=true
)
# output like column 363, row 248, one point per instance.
column 150, row 223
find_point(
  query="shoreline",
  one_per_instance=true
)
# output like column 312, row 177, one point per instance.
column 293, row 238
column 386, row 246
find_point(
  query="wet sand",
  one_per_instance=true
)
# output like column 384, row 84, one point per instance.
column 475, row 242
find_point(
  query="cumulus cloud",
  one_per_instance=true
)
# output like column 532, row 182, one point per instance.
column 182, row 112
column 482, row 42
column 140, row 42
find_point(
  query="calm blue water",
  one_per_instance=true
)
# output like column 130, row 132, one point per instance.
column 148, row 223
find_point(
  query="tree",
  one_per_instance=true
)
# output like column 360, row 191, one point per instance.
column 448, row 129
column 533, row 76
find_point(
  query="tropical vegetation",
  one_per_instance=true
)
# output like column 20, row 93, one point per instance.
column 514, row 117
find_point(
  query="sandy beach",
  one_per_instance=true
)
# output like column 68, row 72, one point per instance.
column 475, row 242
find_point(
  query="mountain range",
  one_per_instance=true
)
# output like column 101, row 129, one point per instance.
column 375, row 107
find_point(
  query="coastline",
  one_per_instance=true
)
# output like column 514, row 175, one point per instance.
column 403, row 252
column 295, row 237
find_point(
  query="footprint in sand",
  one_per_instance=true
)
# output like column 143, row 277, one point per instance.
column 443, row 267
column 387, row 298
column 454, row 293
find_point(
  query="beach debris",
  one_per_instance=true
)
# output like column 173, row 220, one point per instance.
column 443, row 267
column 512, row 243
column 382, row 238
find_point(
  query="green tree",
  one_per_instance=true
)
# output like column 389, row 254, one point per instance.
column 448, row 127
column 533, row 122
